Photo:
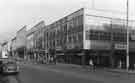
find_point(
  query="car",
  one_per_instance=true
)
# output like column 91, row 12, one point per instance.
column 10, row 68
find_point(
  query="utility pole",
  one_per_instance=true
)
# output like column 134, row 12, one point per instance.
column 127, row 51
column 112, row 45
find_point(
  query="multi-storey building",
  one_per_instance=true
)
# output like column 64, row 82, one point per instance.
column 30, row 43
column 21, row 42
column 38, row 40
column 82, row 35
column 13, row 46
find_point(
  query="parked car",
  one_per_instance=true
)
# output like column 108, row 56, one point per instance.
column 10, row 67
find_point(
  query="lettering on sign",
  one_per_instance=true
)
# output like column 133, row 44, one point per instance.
column 120, row 46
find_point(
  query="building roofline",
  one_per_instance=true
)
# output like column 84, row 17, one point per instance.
column 66, row 16
column 83, row 8
column 21, row 28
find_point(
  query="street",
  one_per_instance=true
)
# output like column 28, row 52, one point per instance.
column 31, row 73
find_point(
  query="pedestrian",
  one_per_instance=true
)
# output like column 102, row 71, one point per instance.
column 91, row 64
column 94, row 65
column 51, row 59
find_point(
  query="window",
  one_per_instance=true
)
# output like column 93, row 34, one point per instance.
column 104, row 35
column 80, row 19
column 121, row 37
column 98, row 35
column 87, row 35
column 93, row 35
column 80, row 36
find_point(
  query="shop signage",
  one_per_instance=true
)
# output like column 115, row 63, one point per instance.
column 120, row 46
column 58, row 48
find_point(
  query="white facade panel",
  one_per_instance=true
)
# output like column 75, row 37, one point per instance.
column 104, row 13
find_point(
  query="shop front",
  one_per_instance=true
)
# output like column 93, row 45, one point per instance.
column 119, row 56
column 98, row 51
column 73, row 56
column 132, row 55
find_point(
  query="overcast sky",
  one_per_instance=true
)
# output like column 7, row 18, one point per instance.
column 14, row 14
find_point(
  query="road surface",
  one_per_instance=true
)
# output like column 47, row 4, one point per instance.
column 50, row 74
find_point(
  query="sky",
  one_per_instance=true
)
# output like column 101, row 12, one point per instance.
column 14, row 14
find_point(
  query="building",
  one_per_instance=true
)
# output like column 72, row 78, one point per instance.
column 82, row 36
column 30, row 43
column 13, row 46
column 36, row 33
column 34, row 40
column 4, row 50
column 20, row 42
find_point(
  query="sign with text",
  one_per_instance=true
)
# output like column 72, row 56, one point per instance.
column 120, row 46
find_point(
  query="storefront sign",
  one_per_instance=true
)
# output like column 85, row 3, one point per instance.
column 58, row 48
column 120, row 46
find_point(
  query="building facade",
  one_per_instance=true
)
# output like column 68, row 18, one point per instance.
column 4, row 50
column 13, row 46
column 20, row 42
column 38, row 41
column 81, row 36
column 30, row 44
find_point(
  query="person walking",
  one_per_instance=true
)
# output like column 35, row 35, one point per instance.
column 92, row 64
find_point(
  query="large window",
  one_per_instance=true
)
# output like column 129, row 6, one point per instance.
column 105, row 36
column 93, row 35
column 97, row 35
column 120, row 37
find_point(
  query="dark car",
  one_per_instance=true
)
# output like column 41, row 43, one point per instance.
column 10, row 67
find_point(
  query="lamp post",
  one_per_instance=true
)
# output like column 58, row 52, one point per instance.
column 127, row 50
